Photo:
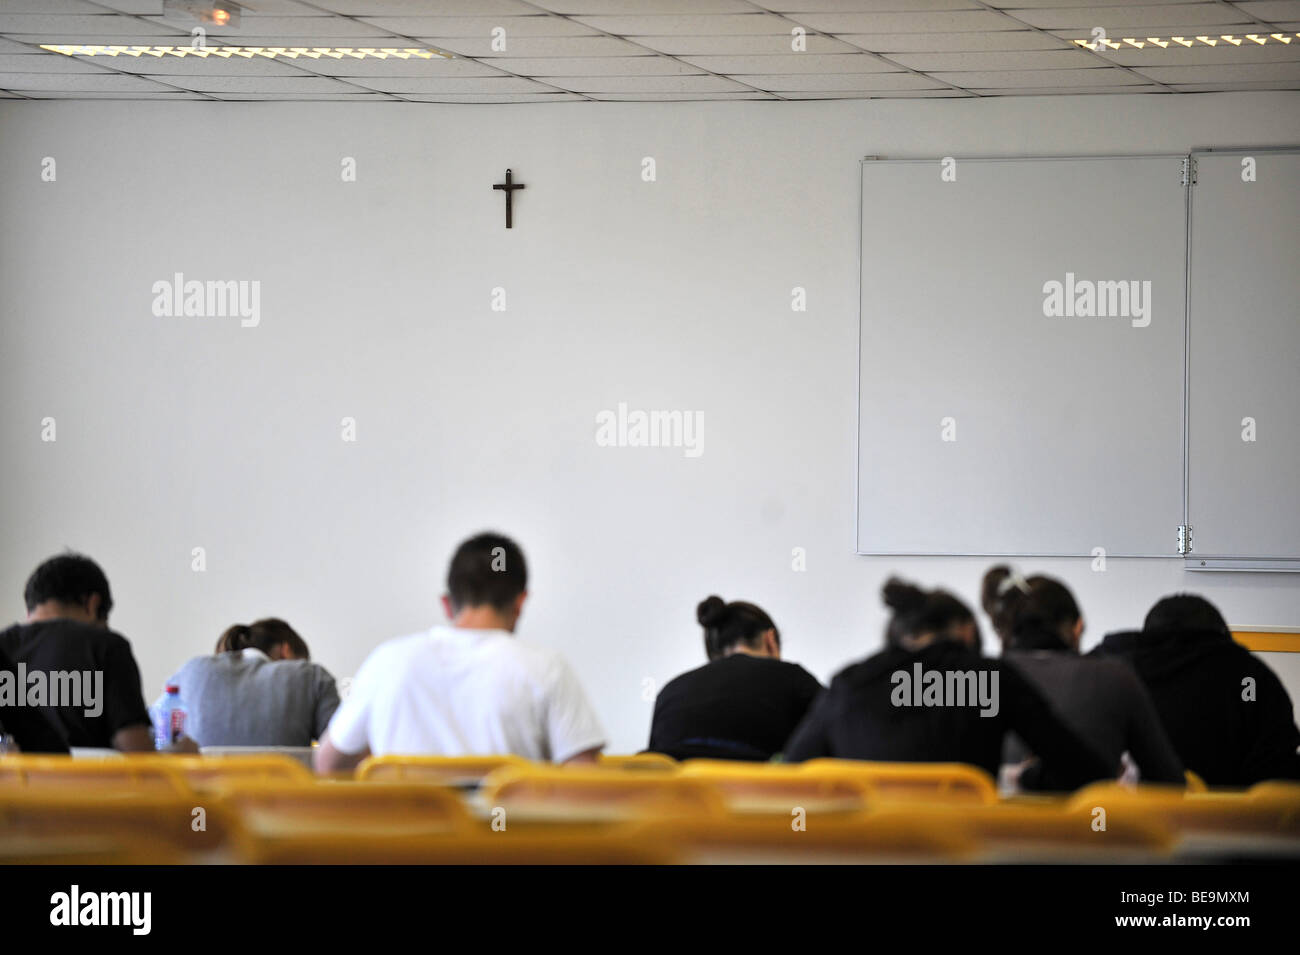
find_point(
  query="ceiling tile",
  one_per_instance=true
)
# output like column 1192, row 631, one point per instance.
column 547, row 97
column 845, row 82
column 646, row 84
column 278, row 26
column 594, row 66
column 957, row 21
column 261, row 84
column 89, row 28
column 1287, row 74
column 175, row 97
column 53, row 6
column 78, row 82
column 644, row 7
column 1274, row 11
column 394, row 66
column 48, row 63
column 683, row 97
column 955, row 42
column 1016, row 60
column 773, row 43
column 450, row 84
column 537, row 46
column 794, row 63
column 691, row 25
column 449, row 8
column 353, row 97
column 480, row 27
column 1007, row 79
column 939, row 93
column 1117, row 19
column 1069, row 91
column 194, row 65
column 795, row 7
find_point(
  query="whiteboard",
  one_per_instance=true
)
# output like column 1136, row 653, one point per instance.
column 1243, row 500
column 1068, row 430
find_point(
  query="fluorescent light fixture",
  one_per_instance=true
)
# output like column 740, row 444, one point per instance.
column 247, row 52
column 1183, row 41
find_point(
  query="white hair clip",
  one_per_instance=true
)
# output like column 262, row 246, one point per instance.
column 1013, row 579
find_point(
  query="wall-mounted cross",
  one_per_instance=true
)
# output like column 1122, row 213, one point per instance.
column 509, row 187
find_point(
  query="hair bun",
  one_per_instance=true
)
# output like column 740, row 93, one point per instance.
column 711, row 612
column 901, row 597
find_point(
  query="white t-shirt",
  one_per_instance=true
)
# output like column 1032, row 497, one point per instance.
column 454, row 692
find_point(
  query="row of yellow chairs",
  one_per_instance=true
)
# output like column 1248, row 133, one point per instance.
column 270, row 809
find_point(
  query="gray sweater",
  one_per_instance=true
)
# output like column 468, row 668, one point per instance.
column 246, row 699
column 1105, row 703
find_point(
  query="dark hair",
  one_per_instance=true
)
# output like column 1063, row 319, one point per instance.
column 917, row 611
column 1029, row 613
column 488, row 569
column 727, row 624
column 1185, row 612
column 264, row 635
column 70, row 579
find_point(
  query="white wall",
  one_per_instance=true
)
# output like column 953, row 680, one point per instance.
column 182, row 432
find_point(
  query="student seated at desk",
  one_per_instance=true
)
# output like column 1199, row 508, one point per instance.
column 930, row 697
column 261, row 690
column 1103, row 701
column 66, row 638
column 745, row 702
column 469, row 688
column 1229, row 716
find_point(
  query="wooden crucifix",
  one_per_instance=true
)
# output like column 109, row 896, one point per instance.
column 508, row 187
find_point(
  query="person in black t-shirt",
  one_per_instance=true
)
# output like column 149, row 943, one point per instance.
column 1228, row 714
column 742, row 704
column 930, row 697
column 28, row 726
column 66, row 644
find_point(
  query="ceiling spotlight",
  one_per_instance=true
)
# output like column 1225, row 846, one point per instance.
column 218, row 13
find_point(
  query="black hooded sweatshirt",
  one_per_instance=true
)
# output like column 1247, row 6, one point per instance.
column 1198, row 680
column 860, row 717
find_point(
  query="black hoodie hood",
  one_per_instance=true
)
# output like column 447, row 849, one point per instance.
column 1163, row 654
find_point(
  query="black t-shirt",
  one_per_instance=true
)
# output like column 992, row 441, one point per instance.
column 738, row 707
column 106, row 677
column 29, row 727
column 859, row 717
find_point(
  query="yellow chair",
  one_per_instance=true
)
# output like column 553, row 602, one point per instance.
column 188, row 824
column 274, row 810
column 562, row 794
column 605, row 846
column 213, row 773
column 101, row 849
column 779, row 788
column 913, row 782
column 1042, row 832
column 91, row 774
column 442, row 770
column 1269, row 809
column 1195, row 783
column 778, row 839
column 651, row 761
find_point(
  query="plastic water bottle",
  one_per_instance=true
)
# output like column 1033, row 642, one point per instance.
column 169, row 723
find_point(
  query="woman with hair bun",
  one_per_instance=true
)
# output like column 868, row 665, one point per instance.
column 930, row 697
column 1040, row 625
column 742, row 704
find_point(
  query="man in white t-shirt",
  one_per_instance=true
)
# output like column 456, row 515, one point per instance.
column 469, row 688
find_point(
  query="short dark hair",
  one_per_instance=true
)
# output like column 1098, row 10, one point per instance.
column 1185, row 612
column 70, row 579
column 488, row 569
column 727, row 624
column 263, row 635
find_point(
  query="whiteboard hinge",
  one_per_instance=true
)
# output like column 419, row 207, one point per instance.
column 1189, row 171
column 1184, row 538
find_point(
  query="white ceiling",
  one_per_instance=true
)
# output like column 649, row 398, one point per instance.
column 652, row 49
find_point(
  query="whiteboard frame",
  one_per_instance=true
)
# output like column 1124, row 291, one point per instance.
column 857, row 464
